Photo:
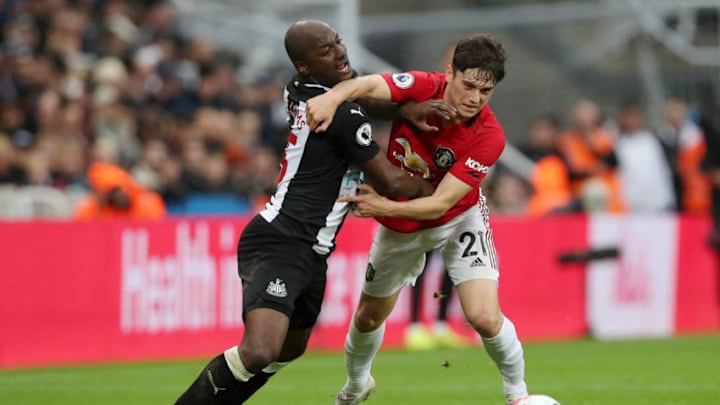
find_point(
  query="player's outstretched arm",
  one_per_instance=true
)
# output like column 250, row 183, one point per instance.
column 321, row 109
column 371, row 204
column 394, row 182
column 411, row 111
column 380, row 110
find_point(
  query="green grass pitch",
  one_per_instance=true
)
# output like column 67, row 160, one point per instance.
column 666, row 371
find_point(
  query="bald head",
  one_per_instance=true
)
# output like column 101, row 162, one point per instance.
column 302, row 36
column 317, row 52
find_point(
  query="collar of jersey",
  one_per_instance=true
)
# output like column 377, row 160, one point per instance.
column 315, row 86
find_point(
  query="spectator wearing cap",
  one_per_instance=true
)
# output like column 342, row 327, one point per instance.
column 116, row 195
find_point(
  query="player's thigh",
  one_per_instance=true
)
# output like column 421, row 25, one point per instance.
column 309, row 302
column 396, row 259
column 278, row 273
column 479, row 299
column 281, row 304
column 264, row 335
column 295, row 344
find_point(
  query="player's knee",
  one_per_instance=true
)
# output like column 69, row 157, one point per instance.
column 366, row 324
column 487, row 323
column 367, row 321
column 257, row 358
column 372, row 312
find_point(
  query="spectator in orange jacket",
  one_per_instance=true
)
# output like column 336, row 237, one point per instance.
column 587, row 149
column 685, row 147
column 116, row 195
column 549, row 177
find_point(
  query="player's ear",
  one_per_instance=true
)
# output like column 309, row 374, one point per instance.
column 302, row 69
column 448, row 72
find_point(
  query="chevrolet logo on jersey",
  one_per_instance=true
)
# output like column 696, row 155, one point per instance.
column 412, row 160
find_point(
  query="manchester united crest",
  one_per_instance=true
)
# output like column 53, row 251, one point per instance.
column 443, row 158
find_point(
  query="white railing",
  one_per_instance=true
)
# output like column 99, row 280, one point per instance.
column 31, row 202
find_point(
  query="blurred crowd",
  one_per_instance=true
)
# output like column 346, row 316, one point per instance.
column 95, row 85
column 600, row 163
column 114, row 81
column 618, row 163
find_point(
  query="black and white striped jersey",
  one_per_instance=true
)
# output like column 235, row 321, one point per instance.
column 317, row 168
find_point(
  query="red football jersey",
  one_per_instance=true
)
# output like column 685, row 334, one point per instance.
column 467, row 150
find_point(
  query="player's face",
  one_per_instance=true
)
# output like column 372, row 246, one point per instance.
column 327, row 61
column 468, row 91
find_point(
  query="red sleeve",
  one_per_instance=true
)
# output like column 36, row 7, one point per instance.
column 413, row 85
column 486, row 148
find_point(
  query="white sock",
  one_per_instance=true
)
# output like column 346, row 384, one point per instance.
column 505, row 349
column 235, row 364
column 360, row 351
column 275, row 366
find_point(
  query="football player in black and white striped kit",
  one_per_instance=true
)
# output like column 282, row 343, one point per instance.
column 283, row 251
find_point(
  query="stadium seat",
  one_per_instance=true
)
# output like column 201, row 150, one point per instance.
column 210, row 204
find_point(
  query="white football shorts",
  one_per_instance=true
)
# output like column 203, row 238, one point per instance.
column 397, row 259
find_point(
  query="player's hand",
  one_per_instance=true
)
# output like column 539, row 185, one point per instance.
column 321, row 110
column 417, row 113
column 367, row 203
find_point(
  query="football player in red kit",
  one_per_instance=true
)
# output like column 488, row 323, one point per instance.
column 454, row 152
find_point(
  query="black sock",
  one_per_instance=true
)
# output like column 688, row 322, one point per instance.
column 253, row 384
column 416, row 300
column 215, row 380
column 446, row 290
column 216, row 385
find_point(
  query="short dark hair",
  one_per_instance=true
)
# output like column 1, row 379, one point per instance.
column 480, row 51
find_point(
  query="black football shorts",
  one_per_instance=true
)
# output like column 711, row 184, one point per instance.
column 280, row 273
